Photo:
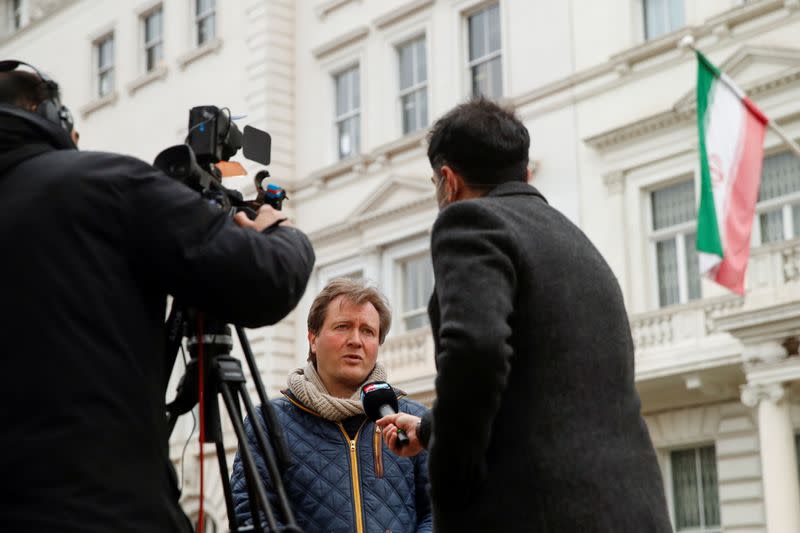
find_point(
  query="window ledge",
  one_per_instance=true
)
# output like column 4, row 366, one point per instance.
column 193, row 55
column 99, row 103
column 158, row 73
column 325, row 8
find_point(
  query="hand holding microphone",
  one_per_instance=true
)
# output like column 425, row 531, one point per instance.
column 399, row 429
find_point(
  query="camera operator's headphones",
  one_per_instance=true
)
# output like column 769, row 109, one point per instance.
column 51, row 108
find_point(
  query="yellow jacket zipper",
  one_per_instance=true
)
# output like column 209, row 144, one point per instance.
column 376, row 448
column 354, row 472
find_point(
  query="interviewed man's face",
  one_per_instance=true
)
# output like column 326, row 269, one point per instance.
column 347, row 344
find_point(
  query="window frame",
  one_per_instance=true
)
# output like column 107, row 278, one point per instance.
column 785, row 203
column 199, row 18
column 392, row 259
column 147, row 45
column 348, row 115
column 414, row 88
column 670, row 487
column 101, row 70
column 677, row 232
column 665, row 11
column 471, row 63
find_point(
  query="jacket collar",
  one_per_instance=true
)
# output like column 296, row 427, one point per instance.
column 24, row 134
column 514, row 188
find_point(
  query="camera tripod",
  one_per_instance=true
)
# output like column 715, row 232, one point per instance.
column 211, row 371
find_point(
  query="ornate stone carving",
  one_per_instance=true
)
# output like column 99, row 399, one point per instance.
column 754, row 394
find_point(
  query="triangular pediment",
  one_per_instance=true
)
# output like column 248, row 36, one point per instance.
column 393, row 193
column 748, row 66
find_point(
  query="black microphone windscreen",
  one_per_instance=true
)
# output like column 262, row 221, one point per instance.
column 374, row 396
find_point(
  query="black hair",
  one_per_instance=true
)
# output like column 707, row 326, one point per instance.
column 482, row 141
column 24, row 89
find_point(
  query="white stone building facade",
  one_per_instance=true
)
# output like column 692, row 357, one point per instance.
column 347, row 89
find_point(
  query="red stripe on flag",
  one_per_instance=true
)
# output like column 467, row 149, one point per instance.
column 753, row 108
column 741, row 209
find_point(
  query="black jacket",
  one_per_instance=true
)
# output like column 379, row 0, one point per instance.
column 536, row 425
column 92, row 244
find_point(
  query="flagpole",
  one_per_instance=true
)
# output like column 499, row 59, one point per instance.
column 688, row 42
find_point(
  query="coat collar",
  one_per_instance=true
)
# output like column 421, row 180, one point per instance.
column 514, row 188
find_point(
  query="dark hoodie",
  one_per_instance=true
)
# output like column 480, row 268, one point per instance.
column 93, row 242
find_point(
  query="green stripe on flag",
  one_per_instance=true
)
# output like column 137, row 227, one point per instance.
column 708, row 237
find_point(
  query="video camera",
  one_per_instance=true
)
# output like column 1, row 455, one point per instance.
column 213, row 138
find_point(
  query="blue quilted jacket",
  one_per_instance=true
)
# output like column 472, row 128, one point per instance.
column 331, row 492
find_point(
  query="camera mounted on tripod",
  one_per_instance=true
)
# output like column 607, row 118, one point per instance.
column 214, row 138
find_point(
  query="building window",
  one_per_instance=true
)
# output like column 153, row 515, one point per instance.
column 205, row 20
column 413, row 85
column 662, row 17
column 17, row 8
column 485, row 68
column 695, row 496
column 104, row 49
column 778, row 205
column 674, row 227
column 153, row 24
column 417, row 289
column 348, row 112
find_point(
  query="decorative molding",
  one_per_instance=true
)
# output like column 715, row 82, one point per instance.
column 323, row 9
column 382, row 154
column 99, row 103
column 351, row 36
column 753, row 395
column 158, row 73
column 397, row 14
column 791, row 264
column 191, row 56
column 656, row 47
column 333, row 232
column 615, row 181
column 763, row 353
column 680, row 117
column 768, row 324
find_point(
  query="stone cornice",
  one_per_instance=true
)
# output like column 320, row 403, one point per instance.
column 360, row 163
column 405, row 10
column 355, row 224
column 351, row 36
column 681, row 117
column 761, row 325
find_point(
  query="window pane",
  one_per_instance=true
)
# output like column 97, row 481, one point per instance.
column 692, row 266
column 206, row 29
column 152, row 27
column 417, row 282
column 204, row 5
column 477, row 35
column 154, row 54
column 780, row 175
column 409, row 104
column 673, row 205
column 495, row 79
column 667, row 259
column 406, row 66
column 422, row 62
column 105, row 53
column 708, row 469
column 480, row 79
column 422, row 108
column 348, row 131
column 105, row 83
column 676, row 19
column 494, row 28
column 796, row 220
column 771, row 226
column 355, row 89
column 684, row 489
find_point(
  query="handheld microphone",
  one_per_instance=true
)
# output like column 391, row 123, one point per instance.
column 379, row 400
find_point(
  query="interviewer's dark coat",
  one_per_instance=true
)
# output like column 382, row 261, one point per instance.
column 537, row 423
column 92, row 244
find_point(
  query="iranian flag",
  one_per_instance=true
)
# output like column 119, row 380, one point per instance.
column 731, row 151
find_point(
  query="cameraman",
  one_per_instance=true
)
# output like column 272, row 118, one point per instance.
column 93, row 244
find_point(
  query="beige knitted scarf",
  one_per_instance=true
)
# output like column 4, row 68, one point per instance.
column 306, row 385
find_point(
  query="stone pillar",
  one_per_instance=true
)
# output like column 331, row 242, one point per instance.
column 778, row 456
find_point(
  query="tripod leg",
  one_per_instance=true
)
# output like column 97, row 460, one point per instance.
column 248, row 462
column 276, row 430
column 266, row 450
column 233, row 523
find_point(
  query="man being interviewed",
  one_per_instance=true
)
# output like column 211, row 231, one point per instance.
column 340, row 479
column 536, row 424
